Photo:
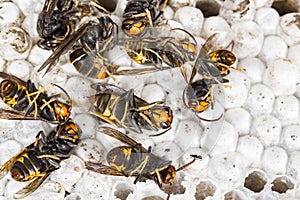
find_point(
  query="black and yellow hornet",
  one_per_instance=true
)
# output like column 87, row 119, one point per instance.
column 139, row 15
column 87, row 45
column 135, row 160
column 213, row 66
column 29, row 103
column 59, row 19
column 172, row 51
column 122, row 108
column 36, row 161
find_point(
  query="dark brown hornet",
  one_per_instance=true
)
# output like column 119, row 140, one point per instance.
column 122, row 108
column 174, row 52
column 59, row 18
column 140, row 14
column 53, row 24
column 213, row 66
column 36, row 161
column 29, row 103
column 87, row 46
column 135, row 160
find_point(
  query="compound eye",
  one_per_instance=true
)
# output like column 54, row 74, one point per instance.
column 127, row 24
column 228, row 58
column 164, row 125
column 192, row 103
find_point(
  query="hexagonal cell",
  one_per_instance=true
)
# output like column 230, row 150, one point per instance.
column 153, row 198
column 208, row 7
column 109, row 5
column 255, row 181
column 285, row 6
column 147, row 191
column 282, row 184
column 205, row 189
column 122, row 191
column 234, row 195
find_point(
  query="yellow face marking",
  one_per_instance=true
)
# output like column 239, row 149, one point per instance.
column 203, row 105
column 170, row 175
column 214, row 56
column 137, row 28
column 102, row 75
column 62, row 111
column 72, row 128
column 162, row 117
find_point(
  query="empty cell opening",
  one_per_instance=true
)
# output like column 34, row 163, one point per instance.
column 208, row 7
column 122, row 191
column 282, row 184
column 234, row 195
column 255, row 181
column 109, row 5
column 205, row 189
column 285, row 6
column 153, row 198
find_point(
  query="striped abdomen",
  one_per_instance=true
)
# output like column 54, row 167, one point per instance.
column 103, row 103
column 144, row 52
column 14, row 95
column 88, row 65
column 135, row 16
column 27, row 166
column 187, row 49
column 198, row 95
column 113, row 107
column 127, row 160
column 131, row 161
